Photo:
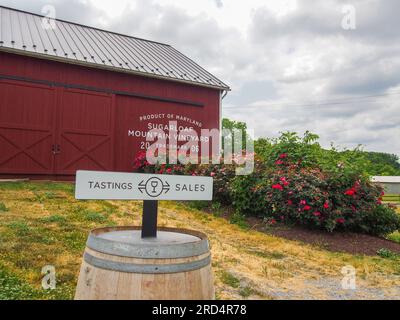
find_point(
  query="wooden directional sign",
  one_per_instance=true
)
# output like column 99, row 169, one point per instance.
column 141, row 186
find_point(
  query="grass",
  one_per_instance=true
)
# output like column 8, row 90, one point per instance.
column 3, row 207
column 45, row 225
column 395, row 236
column 386, row 253
column 229, row 279
column 391, row 198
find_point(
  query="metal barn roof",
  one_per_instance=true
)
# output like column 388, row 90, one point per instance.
column 23, row 33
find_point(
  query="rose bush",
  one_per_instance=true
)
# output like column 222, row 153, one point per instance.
column 286, row 191
column 339, row 200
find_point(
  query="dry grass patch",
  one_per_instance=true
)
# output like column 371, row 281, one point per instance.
column 44, row 224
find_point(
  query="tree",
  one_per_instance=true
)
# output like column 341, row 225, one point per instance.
column 236, row 125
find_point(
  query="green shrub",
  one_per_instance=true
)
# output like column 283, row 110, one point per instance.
column 381, row 221
column 295, row 181
column 342, row 200
column 249, row 197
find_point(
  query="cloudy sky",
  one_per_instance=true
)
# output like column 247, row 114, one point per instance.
column 291, row 64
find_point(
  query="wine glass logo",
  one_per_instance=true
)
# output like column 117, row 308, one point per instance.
column 154, row 187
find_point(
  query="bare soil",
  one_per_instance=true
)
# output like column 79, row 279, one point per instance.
column 353, row 243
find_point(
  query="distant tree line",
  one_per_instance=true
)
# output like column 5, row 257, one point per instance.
column 307, row 149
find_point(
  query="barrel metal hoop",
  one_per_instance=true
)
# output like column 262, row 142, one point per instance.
column 148, row 251
column 146, row 268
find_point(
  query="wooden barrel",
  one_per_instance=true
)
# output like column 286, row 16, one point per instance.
column 119, row 265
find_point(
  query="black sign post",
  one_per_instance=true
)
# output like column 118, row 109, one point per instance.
column 149, row 219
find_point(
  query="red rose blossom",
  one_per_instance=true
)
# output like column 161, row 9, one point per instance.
column 277, row 186
column 350, row 192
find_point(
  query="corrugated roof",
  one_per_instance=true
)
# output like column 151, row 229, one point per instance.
column 23, row 32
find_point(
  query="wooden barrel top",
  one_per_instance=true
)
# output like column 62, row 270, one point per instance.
column 169, row 243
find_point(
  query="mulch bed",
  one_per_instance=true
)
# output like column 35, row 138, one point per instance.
column 353, row 243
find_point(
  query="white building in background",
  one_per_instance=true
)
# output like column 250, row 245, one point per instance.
column 391, row 183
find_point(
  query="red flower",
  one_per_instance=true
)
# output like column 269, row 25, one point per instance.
column 277, row 186
column 169, row 170
column 306, row 208
column 326, row 205
column 212, row 174
column 317, row 214
column 278, row 162
column 283, row 156
column 303, row 202
column 350, row 192
column 290, row 202
column 340, row 220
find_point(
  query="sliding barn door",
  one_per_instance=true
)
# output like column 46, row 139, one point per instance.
column 27, row 127
column 84, row 132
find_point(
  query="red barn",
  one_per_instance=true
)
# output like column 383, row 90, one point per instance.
column 76, row 97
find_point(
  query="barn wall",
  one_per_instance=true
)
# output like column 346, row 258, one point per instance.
column 29, row 67
column 89, row 129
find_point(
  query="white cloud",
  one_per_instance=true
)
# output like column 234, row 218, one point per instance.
column 286, row 61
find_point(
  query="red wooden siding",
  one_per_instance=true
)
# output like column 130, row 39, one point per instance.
column 84, row 132
column 26, row 128
column 128, row 112
column 52, row 129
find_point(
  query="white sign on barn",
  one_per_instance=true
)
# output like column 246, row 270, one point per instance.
column 141, row 186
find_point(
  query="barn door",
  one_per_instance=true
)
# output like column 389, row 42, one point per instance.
column 27, row 128
column 84, row 131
